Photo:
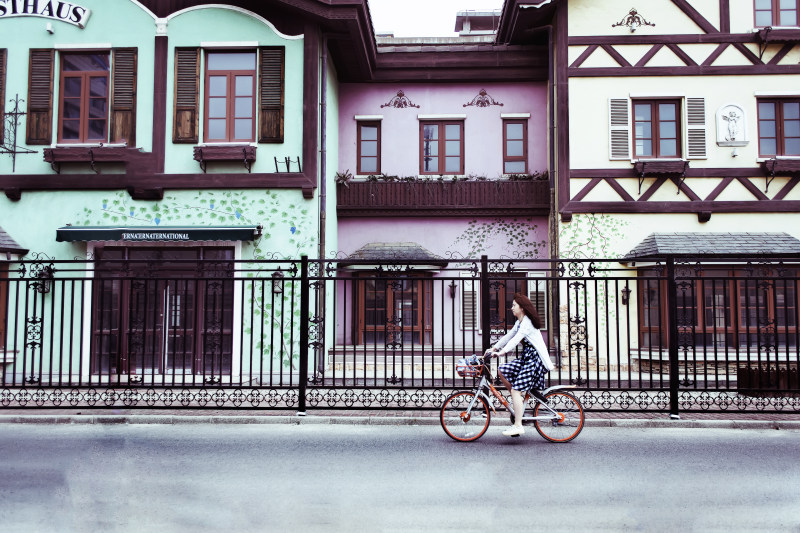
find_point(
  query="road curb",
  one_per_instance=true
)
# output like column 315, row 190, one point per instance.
column 146, row 419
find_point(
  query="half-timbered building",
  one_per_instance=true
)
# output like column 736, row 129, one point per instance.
column 677, row 136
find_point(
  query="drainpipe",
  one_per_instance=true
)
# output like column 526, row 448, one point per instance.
column 553, row 217
column 323, row 199
column 323, row 149
column 552, row 131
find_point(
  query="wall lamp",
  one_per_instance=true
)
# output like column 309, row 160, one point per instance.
column 277, row 282
column 626, row 295
column 453, row 289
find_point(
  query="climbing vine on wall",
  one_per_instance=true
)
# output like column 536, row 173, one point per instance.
column 512, row 237
column 594, row 236
column 286, row 221
column 591, row 236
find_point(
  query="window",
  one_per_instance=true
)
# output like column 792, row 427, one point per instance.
column 230, row 96
column 655, row 125
column 84, row 97
column 732, row 308
column 515, row 146
column 395, row 311
column 97, row 96
column 369, row 147
column 778, row 127
column 501, row 297
column 776, row 13
column 661, row 129
column 161, row 317
column 242, row 95
column 441, row 148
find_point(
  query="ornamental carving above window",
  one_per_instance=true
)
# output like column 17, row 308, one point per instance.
column 483, row 99
column 399, row 101
column 633, row 20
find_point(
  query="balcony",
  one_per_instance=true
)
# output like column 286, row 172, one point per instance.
column 430, row 198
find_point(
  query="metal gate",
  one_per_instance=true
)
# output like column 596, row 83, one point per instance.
column 672, row 335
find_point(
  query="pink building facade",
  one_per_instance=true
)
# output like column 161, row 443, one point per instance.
column 444, row 171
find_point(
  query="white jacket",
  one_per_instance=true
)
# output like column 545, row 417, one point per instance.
column 524, row 329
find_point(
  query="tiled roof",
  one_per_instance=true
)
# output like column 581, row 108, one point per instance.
column 714, row 244
column 395, row 251
column 7, row 244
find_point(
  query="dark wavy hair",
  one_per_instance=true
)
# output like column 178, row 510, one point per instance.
column 525, row 303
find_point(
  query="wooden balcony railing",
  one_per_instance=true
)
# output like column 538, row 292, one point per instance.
column 442, row 198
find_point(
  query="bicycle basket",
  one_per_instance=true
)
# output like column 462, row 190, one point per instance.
column 468, row 369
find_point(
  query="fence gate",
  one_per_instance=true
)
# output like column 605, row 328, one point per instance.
column 208, row 331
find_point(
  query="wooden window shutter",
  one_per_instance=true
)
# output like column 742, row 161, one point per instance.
column 123, row 96
column 696, row 128
column 270, row 95
column 537, row 292
column 619, row 129
column 40, row 97
column 186, row 113
column 2, row 94
column 470, row 305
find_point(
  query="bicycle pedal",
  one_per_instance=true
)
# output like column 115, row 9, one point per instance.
column 515, row 436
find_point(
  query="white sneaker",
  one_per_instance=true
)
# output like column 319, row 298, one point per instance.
column 514, row 431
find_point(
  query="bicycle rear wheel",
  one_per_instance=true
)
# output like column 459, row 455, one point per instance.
column 461, row 425
column 569, row 422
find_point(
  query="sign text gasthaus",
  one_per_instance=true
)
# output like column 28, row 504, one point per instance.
column 51, row 9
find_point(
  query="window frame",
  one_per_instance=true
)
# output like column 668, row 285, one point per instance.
column 113, row 295
column 774, row 11
column 359, row 140
column 230, row 111
column 655, row 138
column 442, row 124
column 421, row 329
column 515, row 159
column 729, row 295
column 86, row 76
column 780, row 128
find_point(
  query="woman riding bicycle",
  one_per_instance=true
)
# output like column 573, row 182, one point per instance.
column 526, row 371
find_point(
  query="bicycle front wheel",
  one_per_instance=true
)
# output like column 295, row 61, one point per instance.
column 569, row 422
column 460, row 422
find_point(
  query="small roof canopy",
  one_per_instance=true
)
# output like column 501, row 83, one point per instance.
column 157, row 233
column 9, row 245
column 696, row 244
column 394, row 252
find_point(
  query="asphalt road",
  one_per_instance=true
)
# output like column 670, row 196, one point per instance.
column 256, row 478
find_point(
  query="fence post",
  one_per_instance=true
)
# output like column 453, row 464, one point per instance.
column 486, row 324
column 304, row 318
column 672, row 314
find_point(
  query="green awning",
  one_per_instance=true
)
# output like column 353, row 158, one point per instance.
column 157, row 233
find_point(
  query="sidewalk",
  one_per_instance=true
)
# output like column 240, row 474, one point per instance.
column 733, row 420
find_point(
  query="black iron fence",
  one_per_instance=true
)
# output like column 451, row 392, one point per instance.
column 668, row 335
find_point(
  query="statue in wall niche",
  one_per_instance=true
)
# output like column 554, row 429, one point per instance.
column 733, row 118
column 731, row 126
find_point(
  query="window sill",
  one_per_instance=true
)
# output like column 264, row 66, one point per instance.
column 778, row 34
column 783, row 166
column 89, row 153
column 660, row 166
column 246, row 153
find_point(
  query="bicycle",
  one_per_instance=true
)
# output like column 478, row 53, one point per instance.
column 465, row 415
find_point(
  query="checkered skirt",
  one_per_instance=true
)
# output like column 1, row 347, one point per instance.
column 526, row 371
